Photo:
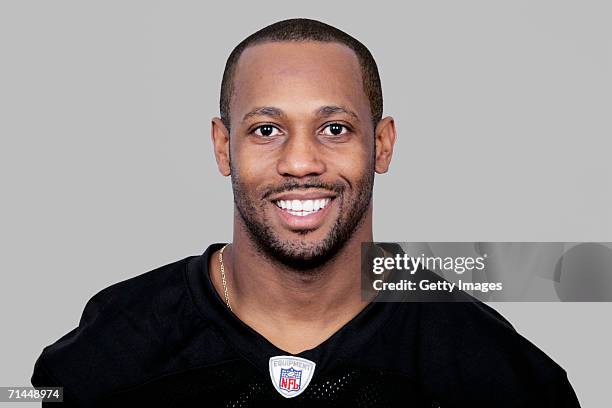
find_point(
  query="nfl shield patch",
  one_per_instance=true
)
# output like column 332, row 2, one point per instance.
column 290, row 375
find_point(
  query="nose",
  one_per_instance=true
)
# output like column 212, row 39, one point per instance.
column 301, row 156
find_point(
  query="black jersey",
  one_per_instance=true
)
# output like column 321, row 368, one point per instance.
column 166, row 338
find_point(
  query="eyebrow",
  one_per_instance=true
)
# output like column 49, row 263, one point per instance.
column 326, row 111
column 323, row 111
column 264, row 111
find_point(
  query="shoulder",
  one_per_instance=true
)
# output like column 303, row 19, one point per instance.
column 127, row 332
column 157, row 288
column 472, row 354
column 140, row 302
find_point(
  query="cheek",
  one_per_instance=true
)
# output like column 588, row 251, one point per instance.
column 258, row 154
column 252, row 170
column 351, row 162
column 245, row 161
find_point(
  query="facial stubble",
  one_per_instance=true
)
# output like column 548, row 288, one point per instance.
column 301, row 254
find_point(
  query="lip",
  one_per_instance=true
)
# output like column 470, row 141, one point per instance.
column 306, row 195
column 306, row 222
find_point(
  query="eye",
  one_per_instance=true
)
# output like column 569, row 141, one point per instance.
column 335, row 129
column 266, row 131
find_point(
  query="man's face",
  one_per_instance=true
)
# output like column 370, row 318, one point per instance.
column 301, row 149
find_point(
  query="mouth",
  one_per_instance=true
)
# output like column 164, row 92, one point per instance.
column 303, row 208
column 303, row 212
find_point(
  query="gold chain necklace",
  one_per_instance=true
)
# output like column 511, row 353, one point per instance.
column 225, row 293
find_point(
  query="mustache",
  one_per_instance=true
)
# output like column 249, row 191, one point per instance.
column 291, row 185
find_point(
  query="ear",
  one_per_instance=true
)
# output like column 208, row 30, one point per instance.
column 221, row 145
column 385, row 140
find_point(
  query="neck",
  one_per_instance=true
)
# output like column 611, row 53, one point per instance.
column 275, row 300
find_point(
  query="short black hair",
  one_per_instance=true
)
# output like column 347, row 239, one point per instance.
column 298, row 30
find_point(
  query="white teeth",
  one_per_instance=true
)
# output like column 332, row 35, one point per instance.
column 303, row 207
column 308, row 205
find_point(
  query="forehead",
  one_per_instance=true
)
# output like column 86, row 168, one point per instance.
column 290, row 75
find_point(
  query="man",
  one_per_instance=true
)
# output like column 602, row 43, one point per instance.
column 277, row 317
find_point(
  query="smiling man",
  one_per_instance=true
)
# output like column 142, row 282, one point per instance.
column 277, row 317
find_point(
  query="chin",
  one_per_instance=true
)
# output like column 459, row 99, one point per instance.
column 302, row 254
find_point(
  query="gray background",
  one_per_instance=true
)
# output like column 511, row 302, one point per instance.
column 106, row 169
